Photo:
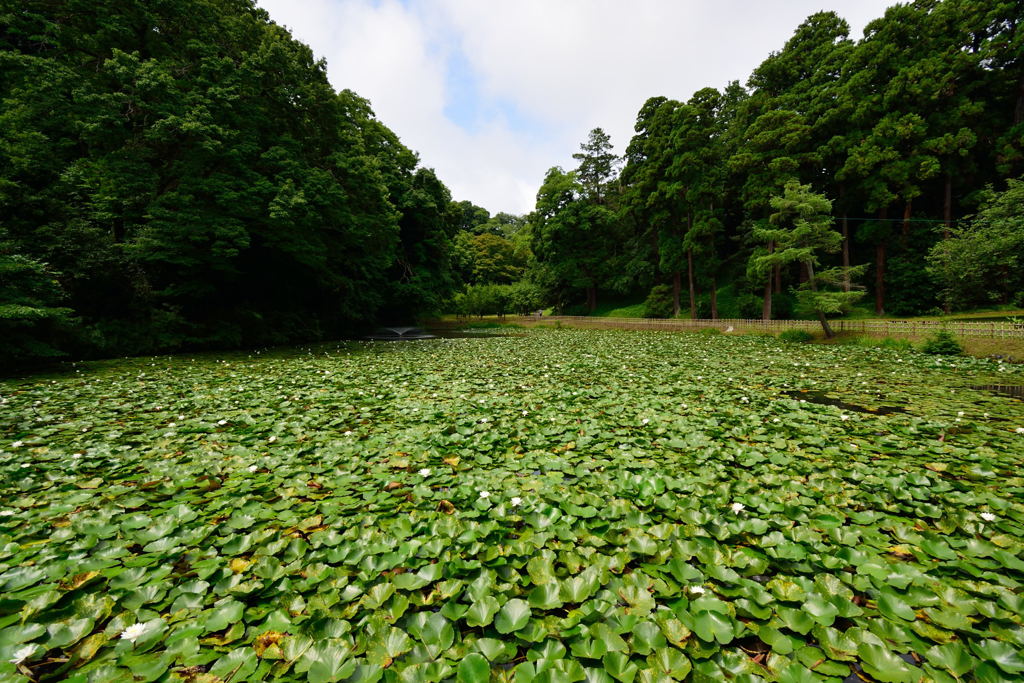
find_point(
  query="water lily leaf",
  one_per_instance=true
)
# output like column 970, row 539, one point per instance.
column 1002, row 654
column 236, row 665
column 712, row 626
column 821, row 610
column 894, row 607
column 618, row 665
column 647, row 637
column 481, row 612
column 953, row 657
column 328, row 662
column 513, row 616
column 474, row 668
column 670, row 662
column 384, row 648
column 885, row 665
column 545, row 596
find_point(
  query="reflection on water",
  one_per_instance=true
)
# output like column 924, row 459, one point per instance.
column 824, row 399
column 1011, row 390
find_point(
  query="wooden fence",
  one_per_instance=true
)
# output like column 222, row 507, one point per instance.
column 897, row 328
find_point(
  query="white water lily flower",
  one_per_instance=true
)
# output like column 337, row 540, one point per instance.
column 1020, row 430
column 696, row 590
column 960, row 413
column 272, row 439
column 737, row 507
column 6, row 513
column 516, row 501
column 844, row 417
column 988, row 516
column 172, row 425
column 485, row 494
column 222, row 422
column 425, row 472
column 644, row 421
column 253, row 468
column 525, row 413
column 17, row 444
column 134, row 632
column 348, row 433
column 22, row 654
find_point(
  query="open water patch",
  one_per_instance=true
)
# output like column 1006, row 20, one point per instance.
column 822, row 398
column 1009, row 390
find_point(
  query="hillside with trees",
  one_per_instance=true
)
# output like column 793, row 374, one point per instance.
column 182, row 175
column 913, row 134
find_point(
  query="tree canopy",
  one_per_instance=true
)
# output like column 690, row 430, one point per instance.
column 187, row 176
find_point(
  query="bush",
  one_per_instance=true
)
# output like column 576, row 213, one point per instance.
column 796, row 336
column 709, row 331
column 659, row 302
column 942, row 344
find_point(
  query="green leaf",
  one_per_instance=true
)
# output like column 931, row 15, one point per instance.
column 513, row 616
column 481, row 612
column 236, row 665
column 647, row 636
column 545, row 597
column 1004, row 655
column 712, row 626
column 329, row 662
column 670, row 662
column 894, row 607
column 885, row 665
column 474, row 668
column 953, row 657
column 617, row 664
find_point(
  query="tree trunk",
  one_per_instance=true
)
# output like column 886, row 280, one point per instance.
column 693, row 290
column 880, row 278
column 714, row 298
column 778, row 279
column 846, row 253
column 821, row 314
column 847, row 285
column 906, row 221
column 766, row 307
column 591, row 298
column 947, row 207
column 677, row 287
column 1018, row 112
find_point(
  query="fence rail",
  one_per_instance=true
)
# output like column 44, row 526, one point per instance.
column 965, row 328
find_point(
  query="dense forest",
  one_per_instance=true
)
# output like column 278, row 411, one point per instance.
column 911, row 135
column 180, row 174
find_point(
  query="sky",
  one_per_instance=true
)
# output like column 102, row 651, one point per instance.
column 493, row 93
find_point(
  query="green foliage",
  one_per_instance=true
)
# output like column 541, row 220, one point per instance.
column 796, row 336
column 866, row 341
column 659, row 302
column 33, row 324
column 980, row 262
column 270, row 517
column 191, row 178
column 521, row 298
column 942, row 343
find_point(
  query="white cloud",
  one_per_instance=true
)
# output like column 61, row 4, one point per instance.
column 566, row 66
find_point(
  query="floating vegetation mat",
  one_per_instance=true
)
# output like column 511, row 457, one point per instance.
column 560, row 506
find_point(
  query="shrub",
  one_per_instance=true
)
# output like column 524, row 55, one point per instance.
column 659, row 302
column 942, row 344
column 709, row 331
column 796, row 336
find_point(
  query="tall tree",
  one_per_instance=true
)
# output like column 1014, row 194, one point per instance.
column 802, row 231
